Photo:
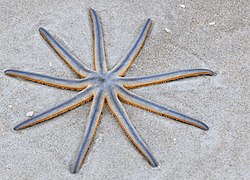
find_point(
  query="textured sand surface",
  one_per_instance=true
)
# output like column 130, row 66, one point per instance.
column 213, row 35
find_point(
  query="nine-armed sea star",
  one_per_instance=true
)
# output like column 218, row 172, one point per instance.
column 103, row 86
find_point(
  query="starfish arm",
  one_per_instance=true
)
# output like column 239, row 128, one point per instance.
column 140, row 102
column 94, row 117
column 78, row 67
column 121, row 68
column 133, row 82
column 123, row 119
column 99, row 52
column 69, row 104
column 71, row 84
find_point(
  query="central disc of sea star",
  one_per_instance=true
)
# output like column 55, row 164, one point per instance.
column 103, row 86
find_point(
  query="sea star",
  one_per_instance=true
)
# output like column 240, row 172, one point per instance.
column 103, row 86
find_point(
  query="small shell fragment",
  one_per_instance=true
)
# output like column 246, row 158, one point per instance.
column 182, row 6
column 167, row 30
column 30, row 113
column 211, row 23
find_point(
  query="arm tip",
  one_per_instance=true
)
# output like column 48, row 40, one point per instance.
column 9, row 72
column 213, row 73
column 41, row 29
column 74, row 169
column 149, row 21
column 6, row 71
column 210, row 72
column 20, row 126
column 154, row 164
column 16, row 128
column 204, row 127
column 91, row 10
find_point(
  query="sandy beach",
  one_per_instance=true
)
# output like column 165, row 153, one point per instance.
column 213, row 35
